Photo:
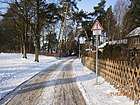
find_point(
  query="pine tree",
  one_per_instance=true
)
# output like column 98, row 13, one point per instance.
column 100, row 12
column 110, row 24
column 68, row 7
column 132, row 17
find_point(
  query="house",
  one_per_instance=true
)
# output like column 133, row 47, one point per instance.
column 134, row 46
column 101, row 47
column 134, row 39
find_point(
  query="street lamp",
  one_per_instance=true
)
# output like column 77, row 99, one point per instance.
column 97, row 30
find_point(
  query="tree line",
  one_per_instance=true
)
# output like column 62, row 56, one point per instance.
column 38, row 25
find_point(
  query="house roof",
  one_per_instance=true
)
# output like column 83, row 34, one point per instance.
column 112, row 43
column 135, row 32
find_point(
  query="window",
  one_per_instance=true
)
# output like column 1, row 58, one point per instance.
column 134, row 41
column 137, row 40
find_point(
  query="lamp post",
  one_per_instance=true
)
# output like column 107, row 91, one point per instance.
column 97, row 30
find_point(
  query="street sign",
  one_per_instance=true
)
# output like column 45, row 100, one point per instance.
column 97, row 28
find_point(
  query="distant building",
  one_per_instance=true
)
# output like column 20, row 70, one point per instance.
column 134, row 46
column 134, row 39
column 117, row 42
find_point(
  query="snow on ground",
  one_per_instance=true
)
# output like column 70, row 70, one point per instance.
column 102, row 94
column 14, row 69
column 48, row 96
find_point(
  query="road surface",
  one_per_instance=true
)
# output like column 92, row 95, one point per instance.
column 54, row 86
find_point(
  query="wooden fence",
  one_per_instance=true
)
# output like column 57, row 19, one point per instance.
column 119, row 74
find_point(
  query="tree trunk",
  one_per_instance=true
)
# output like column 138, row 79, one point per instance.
column 49, row 45
column 51, row 50
column 58, row 44
column 37, row 37
column 62, row 33
column 37, row 49
column 30, row 39
column 24, row 51
column 25, row 20
column 65, row 41
column 21, row 44
column 24, row 41
column 43, row 39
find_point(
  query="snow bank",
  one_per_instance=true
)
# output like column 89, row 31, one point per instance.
column 14, row 69
column 102, row 94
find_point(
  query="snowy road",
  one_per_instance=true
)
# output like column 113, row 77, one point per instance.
column 56, row 86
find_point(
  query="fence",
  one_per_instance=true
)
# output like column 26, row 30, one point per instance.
column 119, row 74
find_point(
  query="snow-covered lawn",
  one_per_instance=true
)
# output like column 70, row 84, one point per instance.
column 14, row 70
column 102, row 94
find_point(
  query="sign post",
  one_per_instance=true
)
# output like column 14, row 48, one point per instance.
column 97, row 30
